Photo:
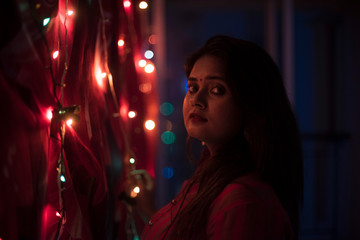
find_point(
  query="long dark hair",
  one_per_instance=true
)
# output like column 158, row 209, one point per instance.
column 269, row 143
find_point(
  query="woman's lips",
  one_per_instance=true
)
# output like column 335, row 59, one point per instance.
column 194, row 117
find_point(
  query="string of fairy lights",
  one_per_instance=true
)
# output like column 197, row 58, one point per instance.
column 65, row 116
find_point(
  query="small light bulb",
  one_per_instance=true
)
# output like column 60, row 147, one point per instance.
column 55, row 54
column 131, row 114
column 150, row 125
column 70, row 12
column 121, row 43
column 46, row 21
column 58, row 214
column 142, row 63
column 136, row 189
column 149, row 68
column 143, row 5
column 100, row 75
column 69, row 122
column 103, row 75
column 62, row 178
column 132, row 160
column 49, row 114
column 127, row 3
column 149, row 54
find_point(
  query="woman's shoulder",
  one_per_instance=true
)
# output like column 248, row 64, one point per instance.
column 248, row 207
column 249, row 188
column 248, row 194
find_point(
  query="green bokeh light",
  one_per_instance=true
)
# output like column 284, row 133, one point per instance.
column 168, row 137
column 46, row 21
column 166, row 108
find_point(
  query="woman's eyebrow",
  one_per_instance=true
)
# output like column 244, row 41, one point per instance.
column 211, row 77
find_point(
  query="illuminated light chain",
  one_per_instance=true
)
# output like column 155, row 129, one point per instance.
column 66, row 113
column 59, row 114
column 62, row 116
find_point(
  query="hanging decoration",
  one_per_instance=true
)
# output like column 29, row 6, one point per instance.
column 87, row 116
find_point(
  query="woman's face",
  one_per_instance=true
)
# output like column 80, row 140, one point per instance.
column 210, row 111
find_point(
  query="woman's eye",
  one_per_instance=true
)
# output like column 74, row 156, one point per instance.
column 192, row 88
column 218, row 90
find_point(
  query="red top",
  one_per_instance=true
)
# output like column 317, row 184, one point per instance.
column 247, row 209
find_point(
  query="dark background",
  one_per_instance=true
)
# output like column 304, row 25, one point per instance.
column 326, row 57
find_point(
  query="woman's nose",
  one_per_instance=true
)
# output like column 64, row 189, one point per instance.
column 199, row 99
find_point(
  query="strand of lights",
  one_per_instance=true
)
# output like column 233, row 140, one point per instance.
column 63, row 116
column 131, row 114
column 66, row 56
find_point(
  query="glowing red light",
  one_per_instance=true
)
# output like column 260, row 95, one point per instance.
column 49, row 114
column 55, row 54
column 127, row 3
column 69, row 122
column 121, row 43
column 131, row 114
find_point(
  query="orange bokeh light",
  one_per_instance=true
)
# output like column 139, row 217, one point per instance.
column 149, row 68
column 150, row 125
column 132, row 114
column 69, row 122
column 121, row 42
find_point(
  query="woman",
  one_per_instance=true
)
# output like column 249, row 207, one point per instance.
column 248, row 183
